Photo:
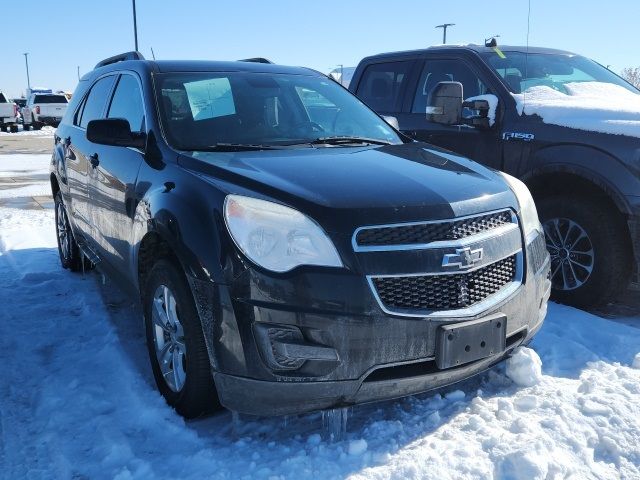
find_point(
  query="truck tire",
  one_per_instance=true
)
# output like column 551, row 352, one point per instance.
column 25, row 127
column 13, row 128
column 590, row 253
column 35, row 125
column 3, row 128
column 176, row 344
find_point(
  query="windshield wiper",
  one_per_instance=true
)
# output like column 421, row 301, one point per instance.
column 233, row 147
column 345, row 140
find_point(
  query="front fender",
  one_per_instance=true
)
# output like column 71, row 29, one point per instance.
column 592, row 164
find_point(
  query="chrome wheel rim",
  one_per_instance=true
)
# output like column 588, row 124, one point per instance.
column 572, row 254
column 168, row 337
column 64, row 231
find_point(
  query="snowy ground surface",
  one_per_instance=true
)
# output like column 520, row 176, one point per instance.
column 77, row 399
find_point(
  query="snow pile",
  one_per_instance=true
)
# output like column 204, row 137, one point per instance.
column 593, row 106
column 524, row 367
column 43, row 132
column 77, row 399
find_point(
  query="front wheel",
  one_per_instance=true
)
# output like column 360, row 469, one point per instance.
column 590, row 255
column 176, row 343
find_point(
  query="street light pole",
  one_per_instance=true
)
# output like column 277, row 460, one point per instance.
column 26, row 62
column 135, row 25
column 444, row 27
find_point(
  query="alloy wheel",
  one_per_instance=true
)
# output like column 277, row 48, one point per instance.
column 572, row 254
column 64, row 231
column 168, row 336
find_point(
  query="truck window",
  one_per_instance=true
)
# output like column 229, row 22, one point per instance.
column 3, row 99
column 382, row 83
column 93, row 105
column 436, row 71
column 50, row 99
column 127, row 103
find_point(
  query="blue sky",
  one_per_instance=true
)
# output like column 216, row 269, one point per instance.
column 315, row 34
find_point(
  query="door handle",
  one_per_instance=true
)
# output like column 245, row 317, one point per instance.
column 93, row 159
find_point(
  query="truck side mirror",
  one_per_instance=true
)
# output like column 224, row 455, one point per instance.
column 476, row 113
column 444, row 103
column 392, row 121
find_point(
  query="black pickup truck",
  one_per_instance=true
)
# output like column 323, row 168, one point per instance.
column 565, row 125
column 291, row 250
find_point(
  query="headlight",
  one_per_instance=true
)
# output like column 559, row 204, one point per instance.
column 528, row 212
column 276, row 237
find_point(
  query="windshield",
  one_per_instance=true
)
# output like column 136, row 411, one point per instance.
column 201, row 110
column 550, row 70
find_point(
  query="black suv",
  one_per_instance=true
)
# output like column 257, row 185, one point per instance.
column 586, row 183
column 292, row 251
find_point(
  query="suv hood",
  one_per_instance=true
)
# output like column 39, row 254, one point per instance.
column 345, row 187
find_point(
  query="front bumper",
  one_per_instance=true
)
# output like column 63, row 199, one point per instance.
column 259, row 397
column 377, row 356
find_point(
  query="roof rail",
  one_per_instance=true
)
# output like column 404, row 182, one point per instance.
column 256, row 60
column 120, row 58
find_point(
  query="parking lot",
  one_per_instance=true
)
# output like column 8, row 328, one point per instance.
column 79, row 400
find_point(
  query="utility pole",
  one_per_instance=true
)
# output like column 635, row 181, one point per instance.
column 78, row 72
column 444, row 27
column 135, row 25
column 26, row 62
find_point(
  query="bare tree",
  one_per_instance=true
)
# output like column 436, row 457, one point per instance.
column 631, row 75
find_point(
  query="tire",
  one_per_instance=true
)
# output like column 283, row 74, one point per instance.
column 35, row 125
column 25, row 127
column 175, row 334
column 68, row 249
column 13, row 128
column 3, row 128
column 596, row 265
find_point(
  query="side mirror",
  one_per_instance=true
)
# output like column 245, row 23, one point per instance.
column 444, row 103
column 476, row 113
column 116, row 132
column 393, row 121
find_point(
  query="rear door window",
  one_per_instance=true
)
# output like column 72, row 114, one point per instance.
column 127, row 103
column 382, row 85
column 94, row 104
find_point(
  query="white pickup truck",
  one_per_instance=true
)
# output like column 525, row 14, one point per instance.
column 8, row 114
column 44, row 109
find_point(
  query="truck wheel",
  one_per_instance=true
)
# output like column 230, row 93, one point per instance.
column 25, row 127
column 3, row 128
column 68, row 249
column 13, row 128
column 35, row 125
column 590, row 253
column 176, row 344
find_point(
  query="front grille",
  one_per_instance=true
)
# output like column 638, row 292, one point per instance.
column 431, row 232
column 445, row 292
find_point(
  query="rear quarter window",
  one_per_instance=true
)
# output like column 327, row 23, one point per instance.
column 382, row 84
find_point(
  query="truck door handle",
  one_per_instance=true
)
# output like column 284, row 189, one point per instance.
column 93, row 159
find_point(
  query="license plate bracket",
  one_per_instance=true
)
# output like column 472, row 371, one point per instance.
column 460, row 343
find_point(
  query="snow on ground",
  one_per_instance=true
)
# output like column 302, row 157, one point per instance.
column 77, row 399
column 43, row 132
column 593, row 106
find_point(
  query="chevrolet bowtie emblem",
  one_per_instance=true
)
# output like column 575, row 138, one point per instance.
column 463, row 258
